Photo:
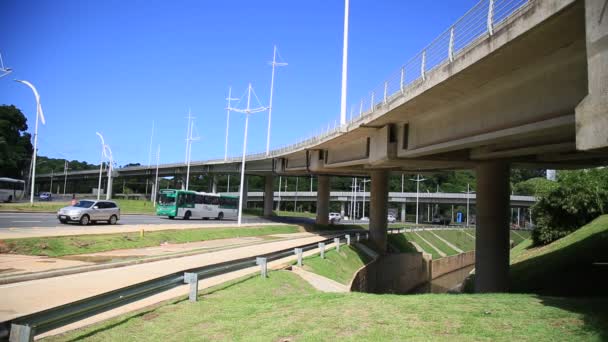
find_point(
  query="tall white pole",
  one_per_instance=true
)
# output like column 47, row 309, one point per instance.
column 110, row 169
column 274, row 64
column 40, row 114
column 344, row 65
column 65, row 175
column 188, row 133
column 279, row 201
column 156, row 178
column 295, row 201
column 241, row 186
column 417, row 180
column 468, row 192
column 363, row 215
column 228, row 185
column 189, row 155
column 229, row 99
column 103, row 146
column 150, row 158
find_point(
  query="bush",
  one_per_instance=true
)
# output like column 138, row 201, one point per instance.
column 577, row 198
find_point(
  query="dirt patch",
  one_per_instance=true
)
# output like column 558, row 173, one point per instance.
column 47, row 261
column 4, row 247
column 9, row 270
column 285, row 339
column 98, row 259
column 149, row 316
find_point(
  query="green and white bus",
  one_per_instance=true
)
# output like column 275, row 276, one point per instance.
column 190, row 204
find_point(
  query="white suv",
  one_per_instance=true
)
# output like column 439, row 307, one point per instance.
column 334, row 217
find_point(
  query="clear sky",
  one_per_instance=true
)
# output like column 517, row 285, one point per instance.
column 114, row 66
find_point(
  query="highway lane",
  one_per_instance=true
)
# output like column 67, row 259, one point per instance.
column 49, row 220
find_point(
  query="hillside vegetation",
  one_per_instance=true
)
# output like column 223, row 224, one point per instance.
column 575, row 265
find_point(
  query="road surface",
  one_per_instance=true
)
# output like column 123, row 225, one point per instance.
column 49, row 220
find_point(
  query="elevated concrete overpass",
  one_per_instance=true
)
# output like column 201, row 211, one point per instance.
column 512, row 83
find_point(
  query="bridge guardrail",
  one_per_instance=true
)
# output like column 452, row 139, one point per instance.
column 26, row 327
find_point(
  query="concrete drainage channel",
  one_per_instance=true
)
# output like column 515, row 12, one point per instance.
column 25, row 328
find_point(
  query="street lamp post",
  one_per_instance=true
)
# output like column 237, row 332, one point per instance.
column 110, row 170
column 274, row 64
column 65, row 175
column 364, row 181
column 4, row 70
column 39, row 114
column 103, row 145
column 417, row 180
column 156, row 178
column 247, row 111
column 468, row 192
column 229, row 99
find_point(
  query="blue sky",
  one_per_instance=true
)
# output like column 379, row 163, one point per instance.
column 114, row 66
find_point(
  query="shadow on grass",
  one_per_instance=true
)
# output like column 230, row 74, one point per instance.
column 593, row 310
column 401, row 244
column 579, row 269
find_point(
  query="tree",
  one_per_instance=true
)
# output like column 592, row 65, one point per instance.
column 15, row 143
column 577, row 199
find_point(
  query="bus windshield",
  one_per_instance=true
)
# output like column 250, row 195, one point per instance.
column 167, row 199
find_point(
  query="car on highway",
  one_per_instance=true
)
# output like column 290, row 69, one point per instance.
column 90, row 211
column 438, row 219
column 45, row 196
column 391, row 219
column 334, row 217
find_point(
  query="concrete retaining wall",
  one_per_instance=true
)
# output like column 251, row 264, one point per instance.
column 452, row 263
column 393, row 273
column 401, row 273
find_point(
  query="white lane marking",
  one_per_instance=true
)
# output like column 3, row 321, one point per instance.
column 26, row 221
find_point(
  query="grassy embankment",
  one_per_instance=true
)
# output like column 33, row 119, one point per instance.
column 84, row 244
column 461, row 238
column 576, row 264
column 339, row 266
column 126, row 206
column 285, row 308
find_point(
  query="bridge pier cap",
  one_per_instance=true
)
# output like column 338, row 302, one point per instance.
column 592, row 113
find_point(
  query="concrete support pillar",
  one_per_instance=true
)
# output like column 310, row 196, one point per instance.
column 323, row 200
column 378, row 210
column 268, row 195
column 403, row 212
column 214, row 184
column 592, row 113
column 342, row 208
column 492, row 233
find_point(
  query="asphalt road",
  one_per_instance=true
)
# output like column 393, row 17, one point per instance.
column 49, row 220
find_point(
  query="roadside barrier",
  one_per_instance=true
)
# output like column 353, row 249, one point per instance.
column 26, row 327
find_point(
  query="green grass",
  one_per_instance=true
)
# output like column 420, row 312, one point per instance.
column 442, row 246
column 576, row 264
column 458, row 238
column 402, row 244
column 519, row 235
column 339, row 266
column 426, row 247
column 126, row 206
column 285, row 308
column 83, row 244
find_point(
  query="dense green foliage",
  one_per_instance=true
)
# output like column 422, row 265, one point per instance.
column 574, row 200
column 15, row 146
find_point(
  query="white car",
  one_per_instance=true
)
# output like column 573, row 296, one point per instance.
column 334, row 217
column 391, row 219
